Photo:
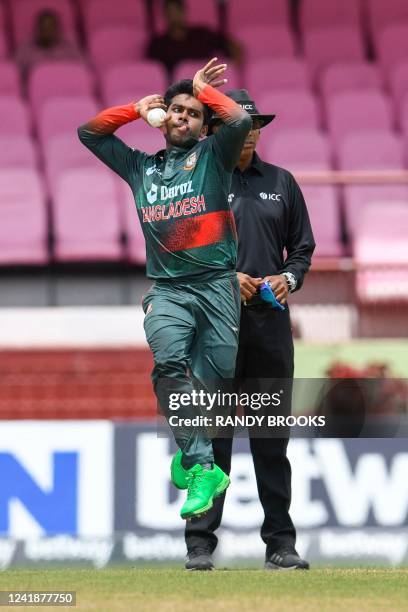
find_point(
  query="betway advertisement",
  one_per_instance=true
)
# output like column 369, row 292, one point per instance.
column 97, row 492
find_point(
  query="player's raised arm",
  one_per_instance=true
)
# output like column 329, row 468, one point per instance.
column 237, row 123
column 98, row 134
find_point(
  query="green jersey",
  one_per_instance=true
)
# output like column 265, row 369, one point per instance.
column 181, row 194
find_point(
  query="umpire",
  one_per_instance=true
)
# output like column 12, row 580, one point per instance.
column 271, row 217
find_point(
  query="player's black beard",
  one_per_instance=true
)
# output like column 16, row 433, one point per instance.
column 185, row 144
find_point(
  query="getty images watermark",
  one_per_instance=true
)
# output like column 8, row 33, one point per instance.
column 227, row 402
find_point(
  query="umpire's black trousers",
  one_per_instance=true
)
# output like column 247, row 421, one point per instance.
column 265, row 352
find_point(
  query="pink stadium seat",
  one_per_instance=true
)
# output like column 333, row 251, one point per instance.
column 381, row 253
column 3, row 47
column 398, row 82
column 325, row 46
column 57, row 79
column 100, row 13
column 268, row 75
column 325, row 13
column 374, row 150
column 188, row 68
column 86, row 216
column 323, row 207
column 64, row 115
column 298, row 150
column 358, row 111
column 403, row 115
column 23, row 218
column 293, row 109
column 392, row 45
column 14, row 118
column 345, row 76
column 359, row 197
column 381, row 14
column 63, row 152
column 3, row 40
column 257, row 12
column 144, row 76
column 140, row 135
column 18, row 151
column 116, row 44
column 9, row 79
column 198, row 14
column 263, row 40
column 24, row 13
column 202, row 13
column 136, row 247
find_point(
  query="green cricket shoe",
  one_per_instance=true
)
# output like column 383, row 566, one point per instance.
column 178, row 473
column 203, row 485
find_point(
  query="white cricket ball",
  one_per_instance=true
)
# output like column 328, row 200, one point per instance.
column 155, row 117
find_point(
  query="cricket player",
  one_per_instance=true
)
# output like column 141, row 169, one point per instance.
column 192, row 310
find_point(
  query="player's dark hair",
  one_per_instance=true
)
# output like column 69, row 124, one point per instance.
column 185, row 86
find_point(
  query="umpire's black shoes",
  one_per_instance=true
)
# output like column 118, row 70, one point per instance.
column 284, row 559
column 199, row 559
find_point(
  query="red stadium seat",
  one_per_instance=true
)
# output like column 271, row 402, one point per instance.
column 86, row 216
column 325, row 13
column 266, row 75
column 64, row 115
column 263, row 41
column 9, row 79
column 293, row 109
column 298, row 150
column 18, row 151
column 24, row 13
column 374, row 150
column 381, row 253
column 145, row 76
column 325, row 46
column 23, row 217
column 14, row 116
column 57, row 79
column 358, row 111
column 324, row 212
column 117, row 44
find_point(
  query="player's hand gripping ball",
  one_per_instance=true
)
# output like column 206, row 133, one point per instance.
column 156, row 116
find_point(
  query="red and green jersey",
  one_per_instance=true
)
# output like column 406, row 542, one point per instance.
column 181, row 194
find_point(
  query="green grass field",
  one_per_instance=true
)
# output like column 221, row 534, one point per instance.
column 176, row 590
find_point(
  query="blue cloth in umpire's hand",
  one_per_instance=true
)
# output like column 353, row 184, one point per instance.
column 268, row 296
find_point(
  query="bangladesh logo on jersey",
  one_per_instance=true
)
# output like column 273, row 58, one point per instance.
column 191, row 161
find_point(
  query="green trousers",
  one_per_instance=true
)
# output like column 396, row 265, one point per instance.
column 192, row 330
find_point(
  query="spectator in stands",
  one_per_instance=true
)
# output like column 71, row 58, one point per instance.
column 48, row 43
column 181, row 41
column 275, row 246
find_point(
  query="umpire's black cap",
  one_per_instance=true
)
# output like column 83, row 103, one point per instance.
column 241, row 97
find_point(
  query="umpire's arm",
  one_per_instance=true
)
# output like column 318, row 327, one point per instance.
column 300, row 242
